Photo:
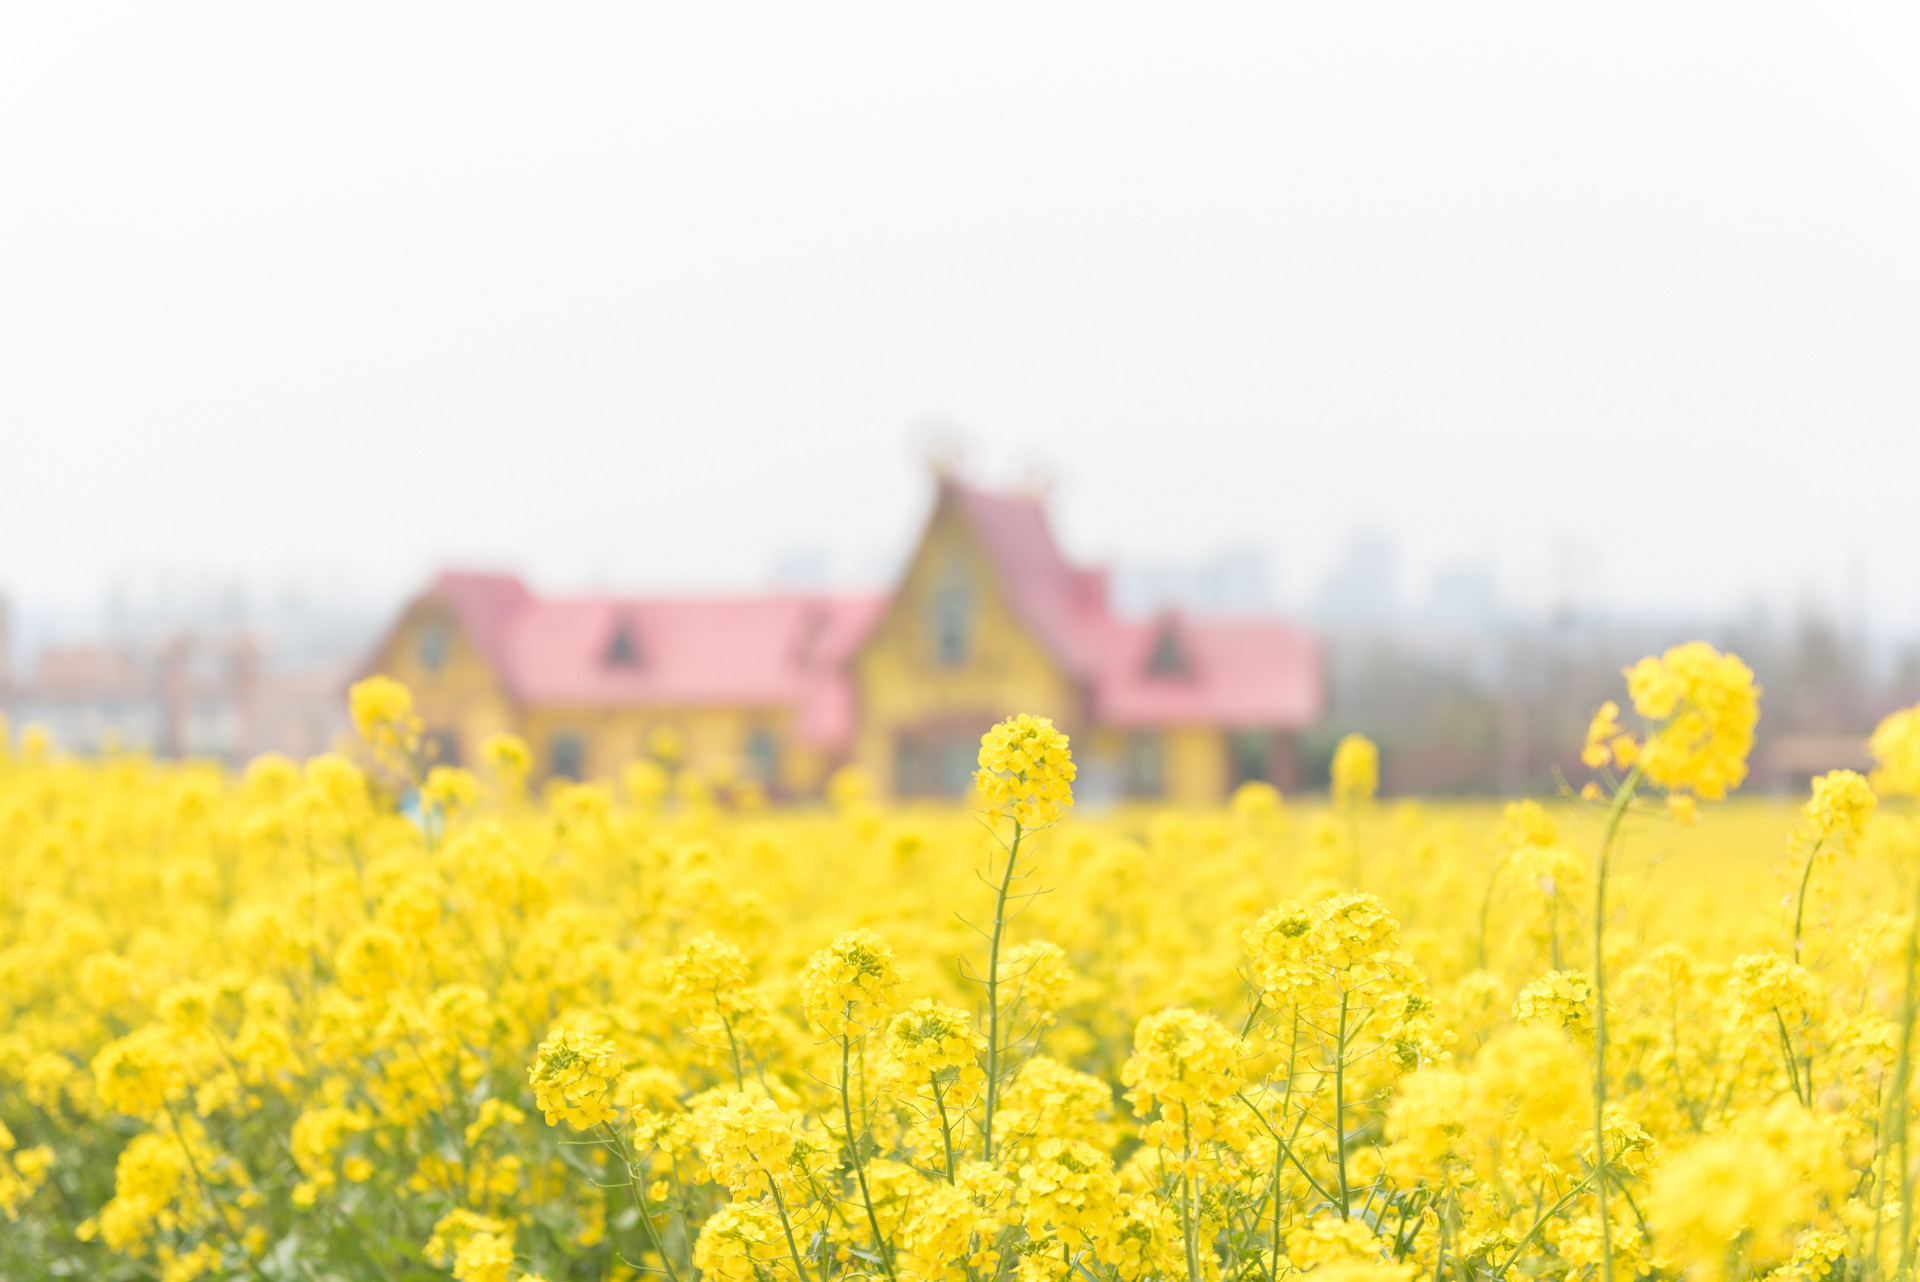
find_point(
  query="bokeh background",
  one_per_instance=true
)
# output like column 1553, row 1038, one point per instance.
column 1496, row 344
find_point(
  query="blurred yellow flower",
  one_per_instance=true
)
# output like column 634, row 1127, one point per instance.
column 1356, row 770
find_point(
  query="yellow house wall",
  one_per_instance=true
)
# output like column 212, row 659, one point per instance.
column 901, row 681
column 712, row 740
column 1196, row 764
column 463, row 699
column 804, row 770
column 1104, row 749
column 1193, row 762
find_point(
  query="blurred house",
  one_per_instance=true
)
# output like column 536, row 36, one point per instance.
column 988, row 619
column 188, row 694
column 89, row 696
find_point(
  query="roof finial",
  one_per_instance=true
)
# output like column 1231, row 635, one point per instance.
column 1038, row 480
column 943, row 444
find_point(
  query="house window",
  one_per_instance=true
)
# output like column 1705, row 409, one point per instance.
column 958, row 758
column 566, row 755
column 622, row 650
column 1146, row 774
column 906, row 768
column 935, row 761
column 763, row 757
column 1248, row 756
column 436, row 641
column 952, row 620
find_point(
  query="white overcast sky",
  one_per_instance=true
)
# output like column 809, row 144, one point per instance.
column 1621, row 300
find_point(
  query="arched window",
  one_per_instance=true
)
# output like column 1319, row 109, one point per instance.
column 952, row 619
column 1146, row 765
column 435, row 644
column 936, row 760
column 566, row 755
column 763, row 757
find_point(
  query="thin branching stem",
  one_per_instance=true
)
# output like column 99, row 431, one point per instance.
column 640, row 1204
column 993, row 991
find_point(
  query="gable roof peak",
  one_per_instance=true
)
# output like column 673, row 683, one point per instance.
column 486, row 604
column 1061, row 602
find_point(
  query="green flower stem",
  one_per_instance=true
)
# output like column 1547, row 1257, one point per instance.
column 639, row 1203
column 1618, row 812
column 213, row 1207
column 1283, row 1147
column 733, row 1045
column 1800, row 906
column 946, row 1126
column 1538, row 1221
column 793, row 1248
column 1191, row 1220
column 853, row 1145
column 993, row 992
column 1340, row 1110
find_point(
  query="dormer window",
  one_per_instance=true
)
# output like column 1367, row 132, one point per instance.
column 435, row 643
column 1168, row 658
column 623, row 651
column 952, row 620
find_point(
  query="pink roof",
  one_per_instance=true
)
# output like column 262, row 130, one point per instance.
column 793, row 652
column 1066, row 606
column 758, row 652
column 1241, row 674
column 486, row 605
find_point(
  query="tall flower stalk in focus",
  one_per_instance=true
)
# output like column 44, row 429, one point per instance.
column 849, row 988
column 1700, row 707
column 574, row 1076
column 1026, row 777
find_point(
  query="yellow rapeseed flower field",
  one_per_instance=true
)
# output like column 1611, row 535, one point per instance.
column 387, row 1021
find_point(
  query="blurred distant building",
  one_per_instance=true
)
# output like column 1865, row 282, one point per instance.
column 186, row 695
column 988, row 619
column 86, row 696
column 1361, row 589
column 1463, row 597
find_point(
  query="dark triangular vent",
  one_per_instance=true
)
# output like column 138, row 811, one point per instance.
column 623, row 651
column 1168, row 658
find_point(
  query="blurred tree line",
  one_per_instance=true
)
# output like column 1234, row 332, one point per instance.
column 1503, row 711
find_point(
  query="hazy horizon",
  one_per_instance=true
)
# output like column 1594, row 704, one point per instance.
column 1616, row 305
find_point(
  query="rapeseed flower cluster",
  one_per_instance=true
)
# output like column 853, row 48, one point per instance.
column 374, row 1017
column 1026, row 769
column 573, row 1077
column 1706, row 706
